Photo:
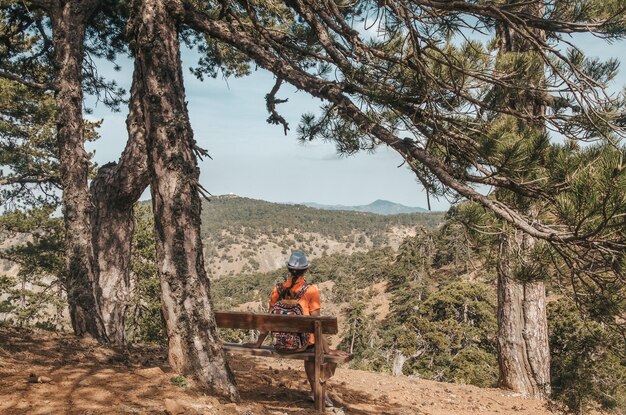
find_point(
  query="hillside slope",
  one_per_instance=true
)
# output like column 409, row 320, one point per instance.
column 243, row 235
column 81, row 377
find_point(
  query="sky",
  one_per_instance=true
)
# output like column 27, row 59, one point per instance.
column 252, row 158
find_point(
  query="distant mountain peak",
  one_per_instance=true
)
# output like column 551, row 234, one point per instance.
column 379, row 206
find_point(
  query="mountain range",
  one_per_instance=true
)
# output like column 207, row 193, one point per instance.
column 380, row 207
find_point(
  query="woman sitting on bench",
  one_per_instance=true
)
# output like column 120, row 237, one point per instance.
column 297, row 297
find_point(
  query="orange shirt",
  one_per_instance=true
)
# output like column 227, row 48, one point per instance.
column 310, row 301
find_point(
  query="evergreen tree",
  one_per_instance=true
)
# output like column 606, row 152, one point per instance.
column 36, row 295
column 523, row 350
column 29, row 194
column 586, row 367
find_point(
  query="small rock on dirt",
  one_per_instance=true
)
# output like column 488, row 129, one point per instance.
column 43, row 379
column 173, row 408
column 32, row 378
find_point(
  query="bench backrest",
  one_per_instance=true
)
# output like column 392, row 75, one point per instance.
column 274, row 322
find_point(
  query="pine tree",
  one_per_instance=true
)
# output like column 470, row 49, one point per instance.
column 29, row 196
column 523, row 350
column 36, row 295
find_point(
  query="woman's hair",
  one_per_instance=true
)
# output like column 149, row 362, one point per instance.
column 295, row 276
column 296, row 273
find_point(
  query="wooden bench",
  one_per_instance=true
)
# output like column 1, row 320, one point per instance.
column 296, row 324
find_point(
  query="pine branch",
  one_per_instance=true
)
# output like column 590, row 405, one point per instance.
column 507, row 14
column 271, row 101
column 12, row 180
column 25, row 82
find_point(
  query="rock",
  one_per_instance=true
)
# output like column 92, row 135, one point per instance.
column 43, row 379
column 212, row 400
column 173, row 408
column 338, row 411
column 32, row 378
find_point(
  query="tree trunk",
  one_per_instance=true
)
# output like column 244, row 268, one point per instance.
column 114, row 191
column 193, row 346
column 398, row 363
column 523, row 349
column 68, row 28
column 353, row 330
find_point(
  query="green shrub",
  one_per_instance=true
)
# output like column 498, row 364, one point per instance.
column 585, row 366
column 179, row 381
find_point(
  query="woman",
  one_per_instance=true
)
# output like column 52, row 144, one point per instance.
column 295, row 291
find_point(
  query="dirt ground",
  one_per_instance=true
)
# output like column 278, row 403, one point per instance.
column 52, row 373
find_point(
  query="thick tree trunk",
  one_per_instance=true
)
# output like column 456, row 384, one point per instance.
column 114, row 191
column 68, row 28
column 193, row 346
column 523, row 349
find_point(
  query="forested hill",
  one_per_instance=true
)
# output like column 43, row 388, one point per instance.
column 243, row 234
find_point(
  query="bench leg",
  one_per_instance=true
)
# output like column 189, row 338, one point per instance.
column 319, row 387
column 323, row 379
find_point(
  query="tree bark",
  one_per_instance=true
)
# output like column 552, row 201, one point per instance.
column 193, row 346
column 68, row 33
column 114, row 191
column 523, row 349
